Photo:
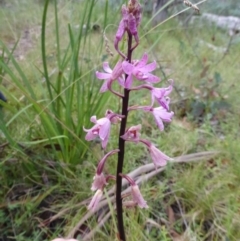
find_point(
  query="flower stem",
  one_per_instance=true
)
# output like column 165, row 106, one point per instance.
column 121, row 147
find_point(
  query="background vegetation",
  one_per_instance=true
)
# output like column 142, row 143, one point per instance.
column 49, row 52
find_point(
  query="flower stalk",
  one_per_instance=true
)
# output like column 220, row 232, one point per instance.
column 121, row 147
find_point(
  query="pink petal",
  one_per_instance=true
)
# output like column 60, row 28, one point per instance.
column 164, row 102
column 160, row 95
column 149, row 67
column 104, row 87
column 105, row 125
column 93, row 119
column 107, row 68
column 100, row 75
column 99, row 181
column 128, row 82
column 168, row 90
column 138, row 14
column 153, row 99
column 132, row 134
column 137, row 196
column 159, row 122
column 160, row 114
column 105, row 141
column 143, row 61
column 152, row 78
column 120, row 31
column 90, row 135
column 95, row 200
column 117, row 71
column 158, row 92
column 124, row 11
column 140, row 75
column 163, row 114
column 168, row 117
column 127, row 67
column 132, row 24
column 136, row 37
column 113, row 117
column 102, row 121
column 121, row 81
column 158, row 157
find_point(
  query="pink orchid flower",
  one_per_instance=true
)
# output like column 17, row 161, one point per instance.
column 158, row 157
column 95, row 200
column 99, row 180
column 158, row 94
column 101, row 128
column 141, row 70
column 132, row 133
column 161, row 95
column 136, row 194
column 110, row 75
column 115, row 118
column 160, row 115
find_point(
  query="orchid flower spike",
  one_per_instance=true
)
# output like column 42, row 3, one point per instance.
column 158, row 157
column 136, row 194
column 99, row 180
column 132, row 133
column 140, row 70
